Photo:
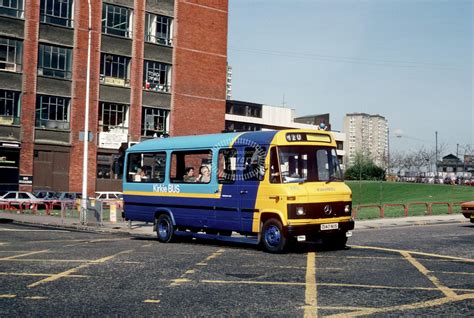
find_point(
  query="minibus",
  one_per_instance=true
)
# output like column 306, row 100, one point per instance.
column 270, row 187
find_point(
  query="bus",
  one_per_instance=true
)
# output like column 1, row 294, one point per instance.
column 269, row 187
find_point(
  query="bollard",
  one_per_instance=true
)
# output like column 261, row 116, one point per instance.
column 113, row 213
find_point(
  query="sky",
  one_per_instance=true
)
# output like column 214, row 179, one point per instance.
column 410, row 61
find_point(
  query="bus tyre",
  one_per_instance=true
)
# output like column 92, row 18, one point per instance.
column 164, row 228
column 273, row 238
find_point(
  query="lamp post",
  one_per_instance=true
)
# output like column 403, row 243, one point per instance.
column 86, row 121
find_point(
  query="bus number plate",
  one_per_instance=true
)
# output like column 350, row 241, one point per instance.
column 329, row 226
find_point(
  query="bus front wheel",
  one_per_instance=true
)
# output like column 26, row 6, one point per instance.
column 273, row 239
column 164, row 228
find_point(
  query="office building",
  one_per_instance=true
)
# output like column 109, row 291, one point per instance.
column 156, row 67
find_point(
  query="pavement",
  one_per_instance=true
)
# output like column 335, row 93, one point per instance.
column 146, row 229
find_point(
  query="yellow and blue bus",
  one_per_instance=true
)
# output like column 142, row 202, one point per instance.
column 272, row 187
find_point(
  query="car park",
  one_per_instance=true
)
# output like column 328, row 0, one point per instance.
column 21, row 199
column 467, row 209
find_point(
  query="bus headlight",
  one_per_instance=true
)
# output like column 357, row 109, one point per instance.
column 347, row 208
column 300, row 211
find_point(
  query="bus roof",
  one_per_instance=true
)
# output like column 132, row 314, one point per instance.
column 223, row 140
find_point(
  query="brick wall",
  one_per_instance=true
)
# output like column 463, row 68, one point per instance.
column 28, row 100
column 199, row 67
column 136, row 75
column 79, row 93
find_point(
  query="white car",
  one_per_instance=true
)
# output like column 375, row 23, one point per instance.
column 108, row 195
column 16, row 197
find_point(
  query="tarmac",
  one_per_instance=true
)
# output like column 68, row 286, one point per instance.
column 146, row 229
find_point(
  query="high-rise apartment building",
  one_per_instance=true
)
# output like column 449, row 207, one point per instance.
column 368, row 135
column 157, row 67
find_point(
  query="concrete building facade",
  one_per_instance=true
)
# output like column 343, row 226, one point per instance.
column 368, row 135
column 242, row 115
column 156, row 66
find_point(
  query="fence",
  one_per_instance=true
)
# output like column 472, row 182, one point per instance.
column 96, row 212
column 407, row 207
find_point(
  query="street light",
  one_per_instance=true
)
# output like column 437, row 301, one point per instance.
column 86, row 121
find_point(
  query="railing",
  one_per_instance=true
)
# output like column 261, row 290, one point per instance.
column 407, row 207
column 96, row 213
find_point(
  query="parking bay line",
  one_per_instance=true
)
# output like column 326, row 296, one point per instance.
column 38, row 274
column 73, row 270
column 21, row 255
column 250, row 282
column 311, row 294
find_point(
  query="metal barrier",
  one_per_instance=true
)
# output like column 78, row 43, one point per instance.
column 406, row 207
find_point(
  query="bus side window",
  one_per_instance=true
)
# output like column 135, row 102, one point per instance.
column 199, row 160
column 275, row 176
column 146, row 167
column 227, row 165
column 254, row 163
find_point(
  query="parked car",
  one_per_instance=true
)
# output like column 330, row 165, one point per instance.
column 467, row 209
column 108, row 195
column 68, row 196
column 45, row 194
column 15, row 198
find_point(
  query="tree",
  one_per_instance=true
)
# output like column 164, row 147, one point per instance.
column 364, row 169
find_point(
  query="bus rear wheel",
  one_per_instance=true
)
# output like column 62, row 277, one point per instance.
column 164, row 228
column 273, row 238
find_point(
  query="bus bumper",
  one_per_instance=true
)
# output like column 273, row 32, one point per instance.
column 315, row 231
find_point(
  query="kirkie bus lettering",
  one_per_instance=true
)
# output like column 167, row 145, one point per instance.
column 272, row 187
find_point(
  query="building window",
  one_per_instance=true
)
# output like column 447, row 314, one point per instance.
column 240, row 126
column 116, row 20
column 113, row 117
column 54, row 61
column 56, row 12
column 13, row 8
column 244, row 110
column 10, row 54
column 9, row 107
column 158, row 29
column 115, row 70
column 154, row 122
column 52, row 112
column 157, row 76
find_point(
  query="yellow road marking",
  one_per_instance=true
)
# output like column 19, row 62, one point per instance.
column 469, row 260
column 253, row 282
column 183, row 279
column 344, row 308
column 311, row 294
column 154, row 301
column 7, row 296
column 73, row 270
column 445, row 290
column 456, row 273
column 413, row 306
column 36, row 297
column 250, row 282
column 21, row 255
column 147, row 245
column 37, row 274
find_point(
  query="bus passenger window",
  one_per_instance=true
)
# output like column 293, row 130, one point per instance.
column 227, row 165
column 254, row 163
column 199, row 160
column 146, row 167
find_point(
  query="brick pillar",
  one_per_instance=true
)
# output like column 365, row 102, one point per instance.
column 28, row 99
column 81, row 16
column 199, row 67
column 136, row 72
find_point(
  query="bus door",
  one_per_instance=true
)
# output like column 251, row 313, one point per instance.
column 227, row 209
column 252, row 171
